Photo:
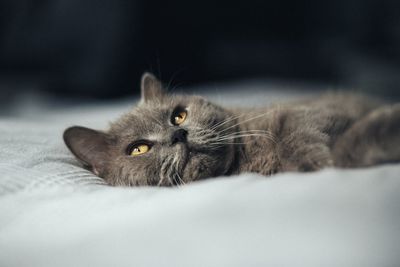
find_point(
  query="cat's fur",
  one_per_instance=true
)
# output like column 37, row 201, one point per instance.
column 342, row 130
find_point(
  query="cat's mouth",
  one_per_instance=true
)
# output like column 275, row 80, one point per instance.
column 185, row 156
column 188, row 165
column 183, row 153
column 179, row 163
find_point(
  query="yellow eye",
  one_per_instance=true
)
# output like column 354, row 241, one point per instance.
column 179, row 117
column 139, row 149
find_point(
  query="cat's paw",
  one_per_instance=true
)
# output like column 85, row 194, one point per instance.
column 374, row 139
column 311, row 157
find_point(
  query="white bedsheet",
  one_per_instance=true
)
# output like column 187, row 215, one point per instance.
column 54, row 213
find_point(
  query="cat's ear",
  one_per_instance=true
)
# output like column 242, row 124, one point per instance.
column 151, row 88
column 90, row 146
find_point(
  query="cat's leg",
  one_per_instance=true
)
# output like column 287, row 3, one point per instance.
column 305, row 150
column 372, row 140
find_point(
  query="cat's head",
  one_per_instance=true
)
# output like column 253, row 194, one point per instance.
column 165, row 140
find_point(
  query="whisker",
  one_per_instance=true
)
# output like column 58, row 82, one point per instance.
column 177, row 182
column 260, row 133
column 247, row 131
column 223, row 141
column 226, row 143
column 247, row 120
column 246, row 135
column 229, row 119
column 180, row 179
column 243, row 135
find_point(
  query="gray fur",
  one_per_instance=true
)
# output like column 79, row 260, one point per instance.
column 333, row 130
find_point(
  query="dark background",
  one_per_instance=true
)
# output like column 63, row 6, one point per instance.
column 99, row 49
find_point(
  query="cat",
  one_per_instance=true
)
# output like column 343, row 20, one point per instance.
column 171, row 139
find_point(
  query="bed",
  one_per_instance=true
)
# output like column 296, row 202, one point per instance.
column 55, row 213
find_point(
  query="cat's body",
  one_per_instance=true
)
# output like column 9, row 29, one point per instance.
column 169, row 140
column 302, row 134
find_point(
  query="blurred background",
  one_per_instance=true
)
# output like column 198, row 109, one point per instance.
column 99, row 49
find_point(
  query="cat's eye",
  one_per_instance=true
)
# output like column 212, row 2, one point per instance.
column 139, row 149
column 178, row 116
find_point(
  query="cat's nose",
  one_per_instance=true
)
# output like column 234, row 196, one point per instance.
column 179, row 136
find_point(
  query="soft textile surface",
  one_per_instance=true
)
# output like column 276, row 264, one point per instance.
column 54, row 213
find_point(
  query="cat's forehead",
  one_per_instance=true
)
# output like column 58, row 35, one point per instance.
column 139, row 120
column 148, row 117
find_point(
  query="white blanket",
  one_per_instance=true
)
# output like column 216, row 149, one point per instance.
column 54, row 213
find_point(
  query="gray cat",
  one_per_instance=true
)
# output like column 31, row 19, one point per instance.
column 175, row 139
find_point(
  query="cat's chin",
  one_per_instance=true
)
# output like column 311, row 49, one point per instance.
column 190, row 163
column 182, row 152
column 201, row 164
